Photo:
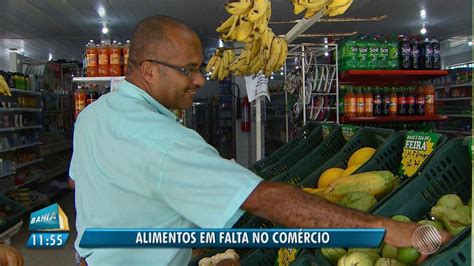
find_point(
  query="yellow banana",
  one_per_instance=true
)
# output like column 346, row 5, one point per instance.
column 4, row 89
column 238, row 8
column 258, row 10
column 244, row 30
column 297, row 8
column 313, row 4
column 339, row 10
column 283, row 54
column 338, row 3
column 222, row 65
column 274, row 56
column 211, row 63
column 231, row 34
column 216, row 68
column 255, row 49
column 311, row 12
column 225, row 25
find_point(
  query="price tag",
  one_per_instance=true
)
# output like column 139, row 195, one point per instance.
column 286, row 256
column 257, row 86
column 418, row 147
column 348, row 131
column 115, row 83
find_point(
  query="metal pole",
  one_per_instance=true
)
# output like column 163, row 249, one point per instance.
column 258, row 123
column 286, row 107
column 303, row 90
column 337, row 85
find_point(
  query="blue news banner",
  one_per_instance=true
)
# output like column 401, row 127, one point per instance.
column 231, row 238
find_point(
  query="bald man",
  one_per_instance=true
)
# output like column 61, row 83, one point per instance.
column 135, row 166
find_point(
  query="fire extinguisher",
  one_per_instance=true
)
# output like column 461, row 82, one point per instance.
column 245, row 115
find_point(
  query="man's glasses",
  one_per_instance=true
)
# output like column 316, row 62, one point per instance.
column 188, row 72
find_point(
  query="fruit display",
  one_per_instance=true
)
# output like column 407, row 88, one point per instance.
column 312, row 7
column 453, row 214
column 219, row 63
column 229, row 254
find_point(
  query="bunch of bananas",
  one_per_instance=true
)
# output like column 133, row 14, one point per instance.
column 219, row 63
column 248, row 21
column 4, row 89
column 330, row 7
column 266, row 54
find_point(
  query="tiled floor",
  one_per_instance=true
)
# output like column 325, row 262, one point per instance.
column 50, row 257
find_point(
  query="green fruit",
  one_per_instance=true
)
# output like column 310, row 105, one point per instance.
column 443, row 213
column 361, row 201
column 453, row 227
column 342, row 261
column 408, row 255
column 450, row 201
column 388, row 262
column 465, row 209
column 359, row 259
column 389, row 251
column 469, row 203
column 365, row 250
column 436, row 224
column 401, row 218
column 333, row 254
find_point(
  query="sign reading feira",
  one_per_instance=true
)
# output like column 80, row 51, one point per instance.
column 418, row 147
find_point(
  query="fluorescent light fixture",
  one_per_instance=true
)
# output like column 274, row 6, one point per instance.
column 423, row 13
column 220, row 43
column 423, row 30
column 104, row 29
column 50, row 57
column 101, row 11
column 326, row 54
column 469, row 43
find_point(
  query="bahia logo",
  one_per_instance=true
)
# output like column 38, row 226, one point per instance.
column 51, row 218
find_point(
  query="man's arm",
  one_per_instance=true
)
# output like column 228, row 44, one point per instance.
column 291, row 207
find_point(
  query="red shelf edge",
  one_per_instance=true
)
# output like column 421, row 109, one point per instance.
column 394, row 119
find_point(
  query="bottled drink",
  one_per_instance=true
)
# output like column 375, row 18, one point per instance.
column 377, row 102
column 351, row 103
column 420, row 102
column 427, row 54
column 373, row 54
column 386, row 102
column 411, row 101
column 91, row 55
column 360, row 103
column 393, row 103
column 79, row 101
column 402, row 102
column 405, row 52
column 125, row 50
column 368, row 103
column 341, row 101
column 362, row 53
column 115, row 58
column 383, row 54
column 104, row 64
column 429, row 99
column 415, row 55
column 393, row 54
column 436, row 54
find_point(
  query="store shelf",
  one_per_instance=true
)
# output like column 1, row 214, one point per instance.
column 37, row 204
column 454, row 86
column 453, row 132
column 19, row 91
column 27, row 164
column 55, row 147
column 11, row 129
column 20, row 109
column 454, row 99
column 95, row 79
column 274, row 117
column 52, row 173
column 387, row 119
column 20, row 147
column 7, row 174
column 395, row 73
column 460, row 115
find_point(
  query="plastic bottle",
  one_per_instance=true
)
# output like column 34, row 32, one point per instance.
column 362, row 53
column 386, row 101
column 429, row 99
column 125, row 50
column 427, row 54
column 368, row 103
column 436, row 54
column 393, row 103
column 373, row 46
column 402, row 102
column 420, row 101
column 351, row 103
column 411, row 101
column 360, row 110
column 91, row 55
column 79, row 101
column 104, row 64
column 393, row 54
column 405, row 53
column 115, row 58
column 383, row 54
column 377, row 103
column 415, row 55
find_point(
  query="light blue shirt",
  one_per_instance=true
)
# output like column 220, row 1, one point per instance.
column 135, row 166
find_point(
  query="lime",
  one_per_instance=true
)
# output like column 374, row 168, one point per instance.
column 389, row 251
column 408, row 255
column 401, row 218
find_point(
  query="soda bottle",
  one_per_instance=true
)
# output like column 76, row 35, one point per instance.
column 362, row 53
column 405, row 52
column 342, row 94
column 402, row 102
column 393, row 54
column 420, row 102
column 429, row 91
column 115, row 58
column 436, row 54
column 360, row 103
column 79, row 101
column 368, row 103
column 386, row 102
column 383, row 54
column 411, row 101
column 125, row 50
column 350, row 102
column 377, row 102
column 393, row 103
column 373, row 54
column 104, row 64
column 415, row 55
column 91, row 55
column 427, row 54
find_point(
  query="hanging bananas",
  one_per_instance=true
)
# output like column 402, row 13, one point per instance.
column 4, row 89
column 218, row 65
column 248, row 20
column 312, row 7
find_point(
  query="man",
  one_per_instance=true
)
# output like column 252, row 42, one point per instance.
column 135, row 166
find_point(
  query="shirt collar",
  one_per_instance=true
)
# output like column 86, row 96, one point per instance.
column 136, row 92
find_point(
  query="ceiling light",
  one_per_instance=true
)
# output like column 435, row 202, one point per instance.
column 326, row 54
column 220, row 43
column 423, row 30
column 469, row 43
column 281, row 73
column 50, row 57
column 101, row 11
column 208, row 78
column 423, row 13
column 272, row 77
column 105, row 30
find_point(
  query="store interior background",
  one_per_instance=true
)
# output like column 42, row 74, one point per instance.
column 54, row 34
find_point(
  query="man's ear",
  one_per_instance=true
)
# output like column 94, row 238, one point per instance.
column 147, row 71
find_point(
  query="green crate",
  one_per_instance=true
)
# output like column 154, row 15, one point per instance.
column 283, row 150
column 330, row 146
column 18, row 211
column 265, row 257
column 364, row 137
column 293, row 156
column 457, row 256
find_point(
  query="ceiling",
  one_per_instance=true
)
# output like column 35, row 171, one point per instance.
column 62, row 27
